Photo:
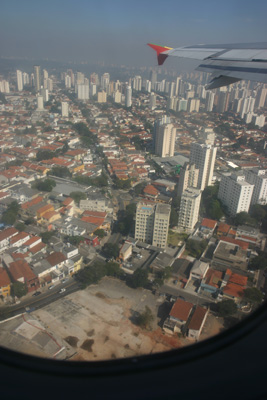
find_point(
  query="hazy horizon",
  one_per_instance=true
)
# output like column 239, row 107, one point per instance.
column 117, row 32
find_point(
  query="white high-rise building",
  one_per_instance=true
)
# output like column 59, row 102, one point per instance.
column 83, row 92
column 37, row 77
column 165, row 140
column 177, row 86
column 19, row 80
column 247, row 105
column 182, row 105
column 152, row 223
column 102, row 97
column 261, row 97
column 203, row 156
column 4, row 86
column 152, row 101
column 188, row 178
column 137, row 83
column 45, row 94
column 189, row 208
column 258, row 178
column 235, row 193
column 259, row 120
column 210, row 100
column 79, row 78
column 105, row 78
column 40, row 103
column 64, row 109
column 67, row 81
column 25, row 78
column 128, row 99
column 148, row 86
column 117, row 96
column 194, row 105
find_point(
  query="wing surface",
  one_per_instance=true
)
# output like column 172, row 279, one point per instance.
column 228, row 63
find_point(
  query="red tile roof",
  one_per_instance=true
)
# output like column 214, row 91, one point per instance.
column 197, row 318
column 4, row 278
column 240, row 243
column 7, row 233
column 21, row 268
column 181, row 310
column 208, row 223
column 32, row 202
column 213, row 277
column 55, row 258
column 233, row 290
column 151, row 190
column 19, row 236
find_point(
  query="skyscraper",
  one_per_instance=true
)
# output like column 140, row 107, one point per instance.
column 64, row 109
column 128, row 99
column 19, row 80
column 83, row 92
column 189, row 208
column 235, row 193
column 37, row 77
column 152, row 223
column 165, row 140
column 258, row 178
column 188, row 178
column 203, row 155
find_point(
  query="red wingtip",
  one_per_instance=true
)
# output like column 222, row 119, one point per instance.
column 159, row 50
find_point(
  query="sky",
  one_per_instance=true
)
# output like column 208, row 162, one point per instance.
column 117, row 31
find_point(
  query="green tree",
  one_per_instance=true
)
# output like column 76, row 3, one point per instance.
column 111, row 250
column 20, row 226
column 45, row 155
column 243, row 218
column 46, row 236
column 258, row 262
column 226, row 308
column 10, row 215
column 139, row 278
column 100, row 233
column 74, row 240
column 62, row 172
column 196, row 247
column 145, row 319
column 46, row 185
column 253, row 295
column 18, row 289
column 257, row 212
column 78, row 196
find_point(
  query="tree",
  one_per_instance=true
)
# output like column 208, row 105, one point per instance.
column 253, row 295
column 111, row 250
column 139, row 278
column 243, row 218
column 257, row 212
column 196, row 247
column 145, row 319
column 10, row 215
column 100, row 233
column 258, row 262
column 46, row 185
column 18, row 289
column 45, row 155
column 20, row 226
column 226, row 308
column 61, row 172
column 78, row 196
column 46, row 236
column 173, row 218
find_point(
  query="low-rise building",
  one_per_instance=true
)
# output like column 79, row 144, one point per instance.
column 197, row 323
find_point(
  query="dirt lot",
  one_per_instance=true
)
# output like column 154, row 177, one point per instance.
column 93, row 324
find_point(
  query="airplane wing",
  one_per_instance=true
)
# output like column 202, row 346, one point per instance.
column 228, row 63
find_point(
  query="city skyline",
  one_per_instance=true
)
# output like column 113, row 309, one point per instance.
column 118, row 33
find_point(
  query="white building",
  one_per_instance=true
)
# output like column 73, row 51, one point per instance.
column 64, row 109
column 165, row 140
column 235, row 193
column 189, row 208
column 19, row 80
column 188, row 178
column 258, row 178
column 152, row 223
column 203, row 156
column 83, row 92
column 40, row 103
column 128, row 99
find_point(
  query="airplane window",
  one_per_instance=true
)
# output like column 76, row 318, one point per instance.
column 133, row 183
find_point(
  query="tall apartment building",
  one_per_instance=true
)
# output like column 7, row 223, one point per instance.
column 165, row 140
column 152, row 223
column 105, row 79
column 83, row 92
column 64, row 109
column 189, row 208
column 37, row 77
column 152, row 101
column 203, row 156
column 235, row 193
column 102, row 97
column 128, row 99
column 188, row 178
column 209, row 101
column 258, row 178
column 19, row 80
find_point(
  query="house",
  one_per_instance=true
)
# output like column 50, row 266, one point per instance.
column 230, row 255
column 5, row 236
column 198, row 270
column 126, row 251
column 19, row 239
column 233, row 285
column 5, row 283
column 197, row 323
column 178, row 316
column 207, row 226
column 212, row 281
column 20, row 271
column 151, row 192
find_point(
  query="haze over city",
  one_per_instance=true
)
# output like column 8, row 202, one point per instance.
column 117, row 32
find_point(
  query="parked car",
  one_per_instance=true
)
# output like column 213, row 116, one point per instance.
column 36, row 294
column 62, row 290
column 51, row 287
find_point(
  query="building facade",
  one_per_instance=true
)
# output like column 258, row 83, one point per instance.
column 189, row 208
